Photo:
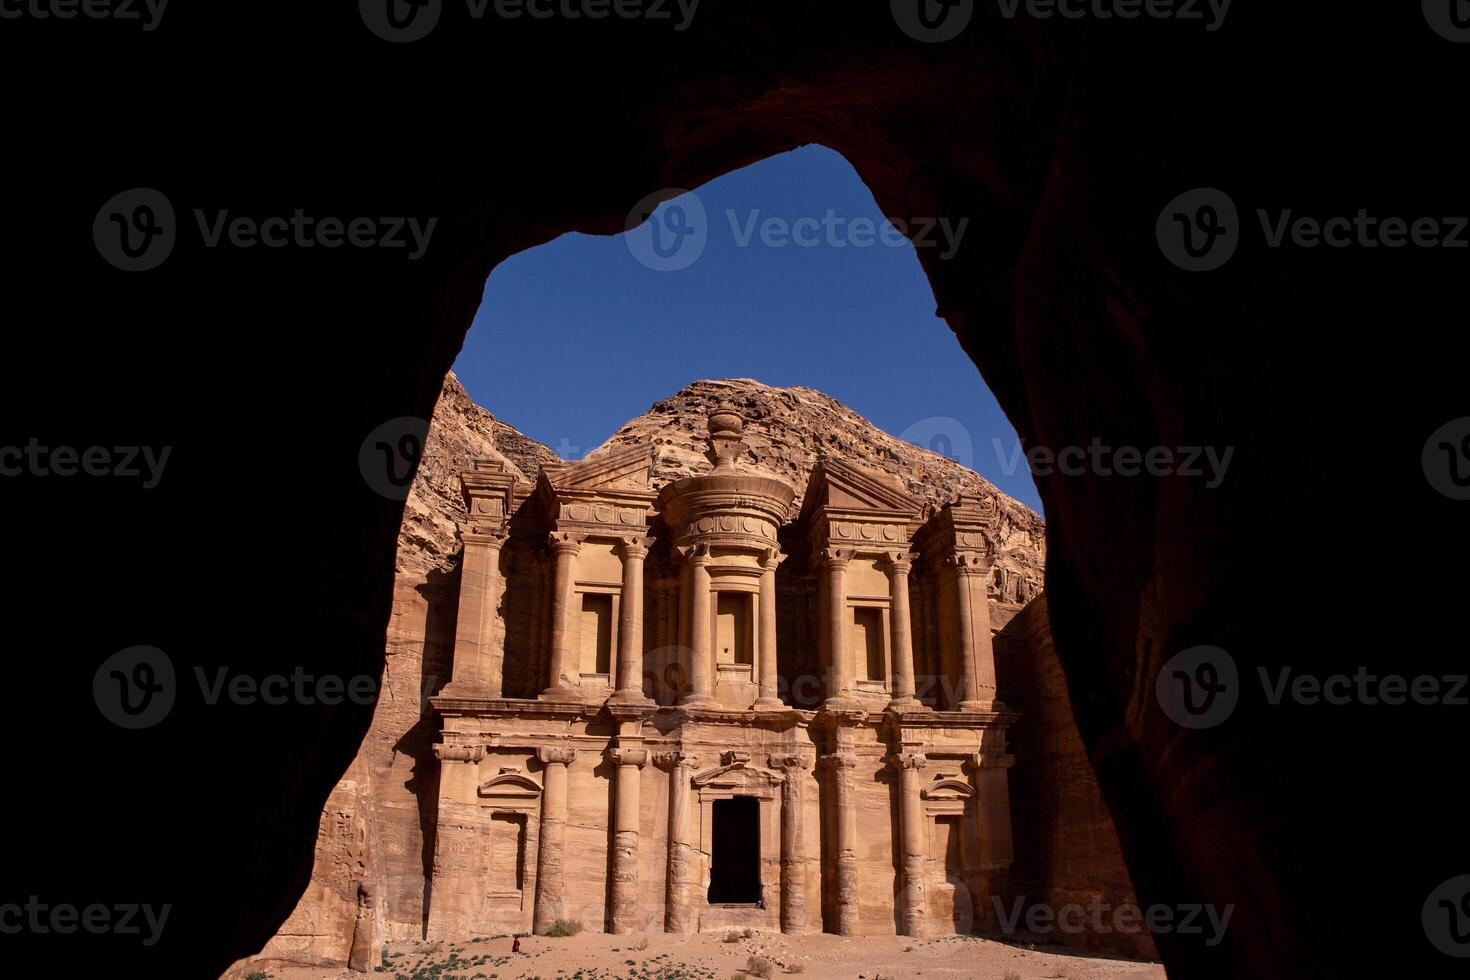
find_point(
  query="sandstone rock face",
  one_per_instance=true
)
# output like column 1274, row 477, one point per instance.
column 378, row 827
column 374, row 825
column 787, row 429
column 1067, row 850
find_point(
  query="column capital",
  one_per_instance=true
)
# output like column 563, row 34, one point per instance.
column 696, row 554
column 458, row 753
column 636, row 546
column 834, row 558
column 836, row 761
column 486, row 535
column 771, row 558
column 908, row 760
column 549, row 755
column 967, row 562
column 565, row 542
column 628, row 757
column 675, row 759
column 899, row 562
column 789, row 763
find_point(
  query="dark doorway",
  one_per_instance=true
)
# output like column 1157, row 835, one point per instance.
column 735, row 868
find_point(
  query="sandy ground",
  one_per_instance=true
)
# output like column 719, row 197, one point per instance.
column 659, row 956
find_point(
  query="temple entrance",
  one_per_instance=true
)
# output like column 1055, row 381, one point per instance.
column 735, row 838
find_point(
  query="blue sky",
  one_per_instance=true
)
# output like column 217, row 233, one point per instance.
column 779, row 272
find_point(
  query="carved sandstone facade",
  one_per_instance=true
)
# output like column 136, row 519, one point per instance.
column 682, row 709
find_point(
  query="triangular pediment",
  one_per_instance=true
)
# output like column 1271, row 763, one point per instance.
column 842, row 486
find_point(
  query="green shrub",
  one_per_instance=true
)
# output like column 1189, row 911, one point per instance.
column 562, row 928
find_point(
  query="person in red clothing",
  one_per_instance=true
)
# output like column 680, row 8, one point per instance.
column 515, row 944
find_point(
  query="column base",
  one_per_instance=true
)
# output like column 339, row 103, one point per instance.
column 636, row 698
column 698, row 701
column 561, row 693
column 906, row 705
column 462, row 689
column 985, row 706
column 769, row 704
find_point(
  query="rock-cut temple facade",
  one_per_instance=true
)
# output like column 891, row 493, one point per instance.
column 688, row 708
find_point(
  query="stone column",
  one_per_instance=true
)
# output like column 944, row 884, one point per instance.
column 623, row 914
column 630, row 622
column 793, row 859
column 834, row 586
column 840, row 766
column 563, row 628
column 914, row 906
column 678, row 917
column 479, row 648
column 457, row 886
column 701, row 656
column 972, row 612
column 903, row 635
column 990, row 847
column 550, row 881
column 770, row 697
